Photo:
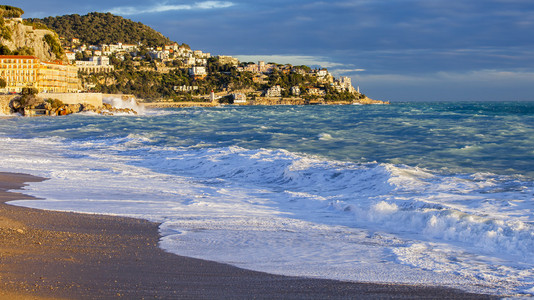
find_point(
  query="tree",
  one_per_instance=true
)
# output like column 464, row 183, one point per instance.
column 29, row 91
column 3, row 83
column 10, row 11
column 4, row 50
column 54, row 45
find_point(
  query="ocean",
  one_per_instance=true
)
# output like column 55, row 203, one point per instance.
column 435, row 193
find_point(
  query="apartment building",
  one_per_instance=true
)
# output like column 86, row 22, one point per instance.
column 21, row 71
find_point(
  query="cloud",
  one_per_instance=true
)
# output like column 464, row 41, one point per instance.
column 346, row 71
column 477, row 79
column 292, row 59
column 165, row 7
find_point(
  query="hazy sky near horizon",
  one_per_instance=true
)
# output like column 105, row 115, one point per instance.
column 393, row 49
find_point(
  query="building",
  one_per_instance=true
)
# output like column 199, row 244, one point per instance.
column 96, row 64
column 275, row 91
column 57, row 77
column 322, row 73
column 261, row 67
column 71, row 56
column 316, row 91
column 198, row 72
column 295, row 90
column 346, row 84
column 20, row 71
column 228, row 60
column 185, row 88
column 239, row 98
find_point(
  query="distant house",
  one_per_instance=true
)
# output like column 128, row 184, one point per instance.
column 322, row 73
column 198, row 72
column 275, row 91
column 295, row 91
column 316, row 91
column 239, row 98
column 71, row 56
column 96, row 64
column 228, row 60
column 186, row 88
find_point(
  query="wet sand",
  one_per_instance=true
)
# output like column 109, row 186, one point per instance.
column 51, row 255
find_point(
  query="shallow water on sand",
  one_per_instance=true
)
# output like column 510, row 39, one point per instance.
column 430, row 193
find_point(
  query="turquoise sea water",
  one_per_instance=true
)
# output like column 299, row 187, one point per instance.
column 432, row 193
column 447, row 137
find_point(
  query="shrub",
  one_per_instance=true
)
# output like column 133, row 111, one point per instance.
column 55, row 103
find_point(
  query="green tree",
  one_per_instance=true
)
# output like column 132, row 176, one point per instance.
column 54, row 45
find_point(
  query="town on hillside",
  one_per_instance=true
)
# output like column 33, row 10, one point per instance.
column 169, row 73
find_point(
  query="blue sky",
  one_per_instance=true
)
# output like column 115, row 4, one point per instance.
column 396, row 50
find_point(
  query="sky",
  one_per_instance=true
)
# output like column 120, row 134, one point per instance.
column 397, row 50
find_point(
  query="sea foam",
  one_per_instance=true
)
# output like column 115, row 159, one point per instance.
column 283, row 211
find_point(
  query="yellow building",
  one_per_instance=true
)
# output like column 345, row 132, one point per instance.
column 20, row 71
column 57, row 77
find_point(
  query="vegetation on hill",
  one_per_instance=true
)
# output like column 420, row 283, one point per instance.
column 7, row 11
column 142, row 80
column 103, row 28
column 17, row 38
column 54, row 44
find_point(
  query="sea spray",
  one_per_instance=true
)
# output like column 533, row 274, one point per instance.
column 129, row 103
column 377, row 193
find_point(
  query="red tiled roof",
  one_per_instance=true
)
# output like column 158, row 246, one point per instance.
column 18, row 56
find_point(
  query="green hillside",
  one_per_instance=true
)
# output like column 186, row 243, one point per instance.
column 103, row 28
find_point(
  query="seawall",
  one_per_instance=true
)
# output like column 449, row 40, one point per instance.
column 94, row 99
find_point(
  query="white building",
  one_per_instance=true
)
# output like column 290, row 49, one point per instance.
column 275, row 91
column 96, row 64
column 295, row 91
column 198, row 71
column 228, row 60
column 186, row 88
column 239, row 98
column 346, row 84
column 322, row 73
column 71, row 56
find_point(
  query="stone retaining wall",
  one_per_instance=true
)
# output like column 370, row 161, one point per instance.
column 94, row 99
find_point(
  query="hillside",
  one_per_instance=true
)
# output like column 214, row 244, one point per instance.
column 19, row 37
column 103, row 28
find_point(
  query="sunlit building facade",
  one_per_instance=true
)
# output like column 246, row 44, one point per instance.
column 21, row 71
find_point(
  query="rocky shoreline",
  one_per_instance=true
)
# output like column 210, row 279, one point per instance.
column 30, row 105
column 264, row 101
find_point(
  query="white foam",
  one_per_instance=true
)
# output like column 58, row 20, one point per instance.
column 130, row 103
column 276, row 211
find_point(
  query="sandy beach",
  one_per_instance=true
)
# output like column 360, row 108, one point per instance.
column 55, row 255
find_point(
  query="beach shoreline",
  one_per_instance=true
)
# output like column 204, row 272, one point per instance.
column 53, row 255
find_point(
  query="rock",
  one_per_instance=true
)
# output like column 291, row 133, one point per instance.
column 25, row 36
column 15, row 104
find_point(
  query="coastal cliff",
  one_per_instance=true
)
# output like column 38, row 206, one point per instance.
column 29, row 39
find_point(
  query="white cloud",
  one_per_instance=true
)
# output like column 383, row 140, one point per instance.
column 475, row 77
column 158, row 8
column 347, row 71
column 295, row 60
